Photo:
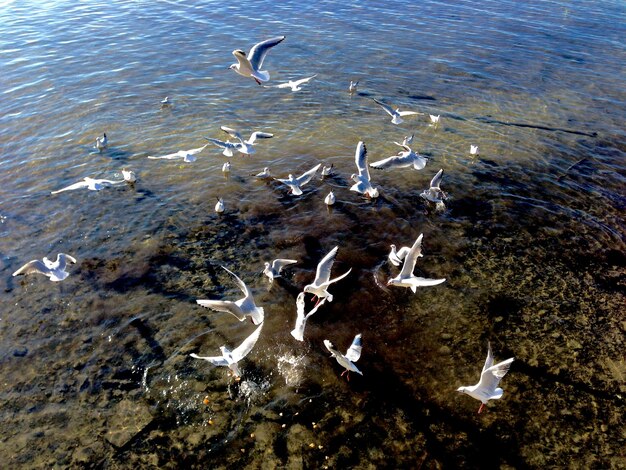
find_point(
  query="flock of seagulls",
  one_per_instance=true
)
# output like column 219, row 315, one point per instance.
column 249, row 65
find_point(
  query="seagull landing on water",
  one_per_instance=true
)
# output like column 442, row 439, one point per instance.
column 352, row 355
column 395, row 114
column 188, row 156
column 319, row 287
column 231, row 358
column 250, row 66
column 101, row 142
column 397, row 257
column 244, row 146
column 362, row 178
column 272, row 271
column 487, row 388
column 404, row 159
column 293, row 84
column 55, row 270
column 295, row 184
column 301, row 318
column 406, row 278
column 352, row 87
column 242, row 308
column 434, row 193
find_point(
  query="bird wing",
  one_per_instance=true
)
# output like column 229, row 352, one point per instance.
column 360, row 158
column 232, row 132
column 331, row 348
column 279, row 264
column 224, row 306
column 303, row 80
column 423, row 282
column 196, row 151
column 490, row 378
column 402, row 252
column 411, row 258
column 322, row 275
column 338, row 278
column 79, row 185
column 171, row 156
column 407, row 113
column 244, row 348
column 436, row 181
column 259, row 51
column 215, row 360
column 305, row 177
column 489, row 360
column 240, row 283
column 34, row 266
column 388, row 109
column 354, row 351
column 397, row 160
column 259, row 135
column 221, row 143
column 62, row 260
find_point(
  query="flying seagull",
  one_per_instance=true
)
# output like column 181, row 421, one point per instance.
column 301, row 318
column 296, row 183
column 395, row 114
column 55, row 270
column 244, row 146
column 434, row 193
column 188, row 156
column 92, row 184
column 352, row 355
column 321, row 283
column 406, row 278
column 250, row 66
column 404, row 159
column 293, row 84
column 396, row 257
column 487, row 387
column 272, row 271
column 361, row 179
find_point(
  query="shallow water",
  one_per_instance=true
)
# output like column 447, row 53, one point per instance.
column 96, row 369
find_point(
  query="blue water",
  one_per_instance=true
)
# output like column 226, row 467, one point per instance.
column 531, row 241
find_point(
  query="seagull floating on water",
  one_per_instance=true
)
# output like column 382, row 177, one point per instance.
column 473, row 149
column 55, row 270
column 243, row 146
column 396, row 257
column 327, row 170
column 219, row 206
column 330, row 199
column 226, row 167
column 242, row 308
column 165, row 102
column 362, row 179
column 487, row 387
column 395, row 114
column 129, row 176
column 352, row 355
column 250, row 66
column 301, row 318
column 101, row 142
column 321, row 283
column 434, row 193
column 293, row 84
column 352, row 87
column 406, row 278
column 434, row 119
column 231, row 358
column 404, row 159
column 188, row 156
column 272, row 271
column 295, row 184
column 264, row 174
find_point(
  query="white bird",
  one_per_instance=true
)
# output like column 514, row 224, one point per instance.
column 473, row 149
column 165, row 102
column 250, row 66
column 293, row 84
column 434, row 193
column 404, row 159
column 245, row 146
column 327, row 170
column 396, row 257
column 295, row 184
column 272, row 271
column 188, row 156
column 408, row 139
column 266, row 173
column 301, row 318
column 330, row 199
column 352, row 355
column 101, row 142
column 89, row 183
column 226, row 167
column 434, row 119
column 129, row 176
column 231, row 358
column 487, row 387
column 55, row 270
column 362, row 178
column 321, row 283
column 242, row 308
column 219, row 206
column 395, row 114
column 227, row 146
column 406, row 278
column 352, row 87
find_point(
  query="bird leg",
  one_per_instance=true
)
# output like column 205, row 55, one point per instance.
column 347, row 372
column 481, row 407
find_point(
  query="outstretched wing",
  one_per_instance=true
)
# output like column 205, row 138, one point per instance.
column 489, row 360
column 215, row 360
column 322, row 275
column 279, row 264
column 79, row 185
column 411, row 258
column 360, row 158
column 34, row 266
column 436, row 181
column 222, row 144
column 240, row 283
column 397, row 160
column 232, row 132
column 223, row 306
column 260, row 50
column 306, row 176
column 354, row 351
column 388, row 109
column 303, row 80
column 407, row 113
column 244, row 348
column 62, row 260
column 197, row 151
column 259, row 135
column 490, row 378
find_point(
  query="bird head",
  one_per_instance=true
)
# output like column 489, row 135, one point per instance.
column 462, row 389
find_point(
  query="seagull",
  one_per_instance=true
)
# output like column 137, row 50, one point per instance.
column 434, row 193
column 327, row 170
column 165, row 102
column 352, row 86
column 487, row 387
column 406, row 278
column 188, row 156
column 226, row 167
column 406, row 141
column 298, row 331
column 242, row 308
column 404, row 159
column 396, row 257
column 129, row 176
column 473, row 149
column 434, row 119
column 246, row 146
column 352, row 355
column 362, row 179
column 250, row 66
column 264, row 174
column 395, row 115
column 273, row 270
column 295, row 183
column 55, row 270
column 89, row 183
column 293, row 84
column 231, row 358
column 219, row 206
column 330, row 199
column 319, row 287
column 101, row 142
column 227, row 146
